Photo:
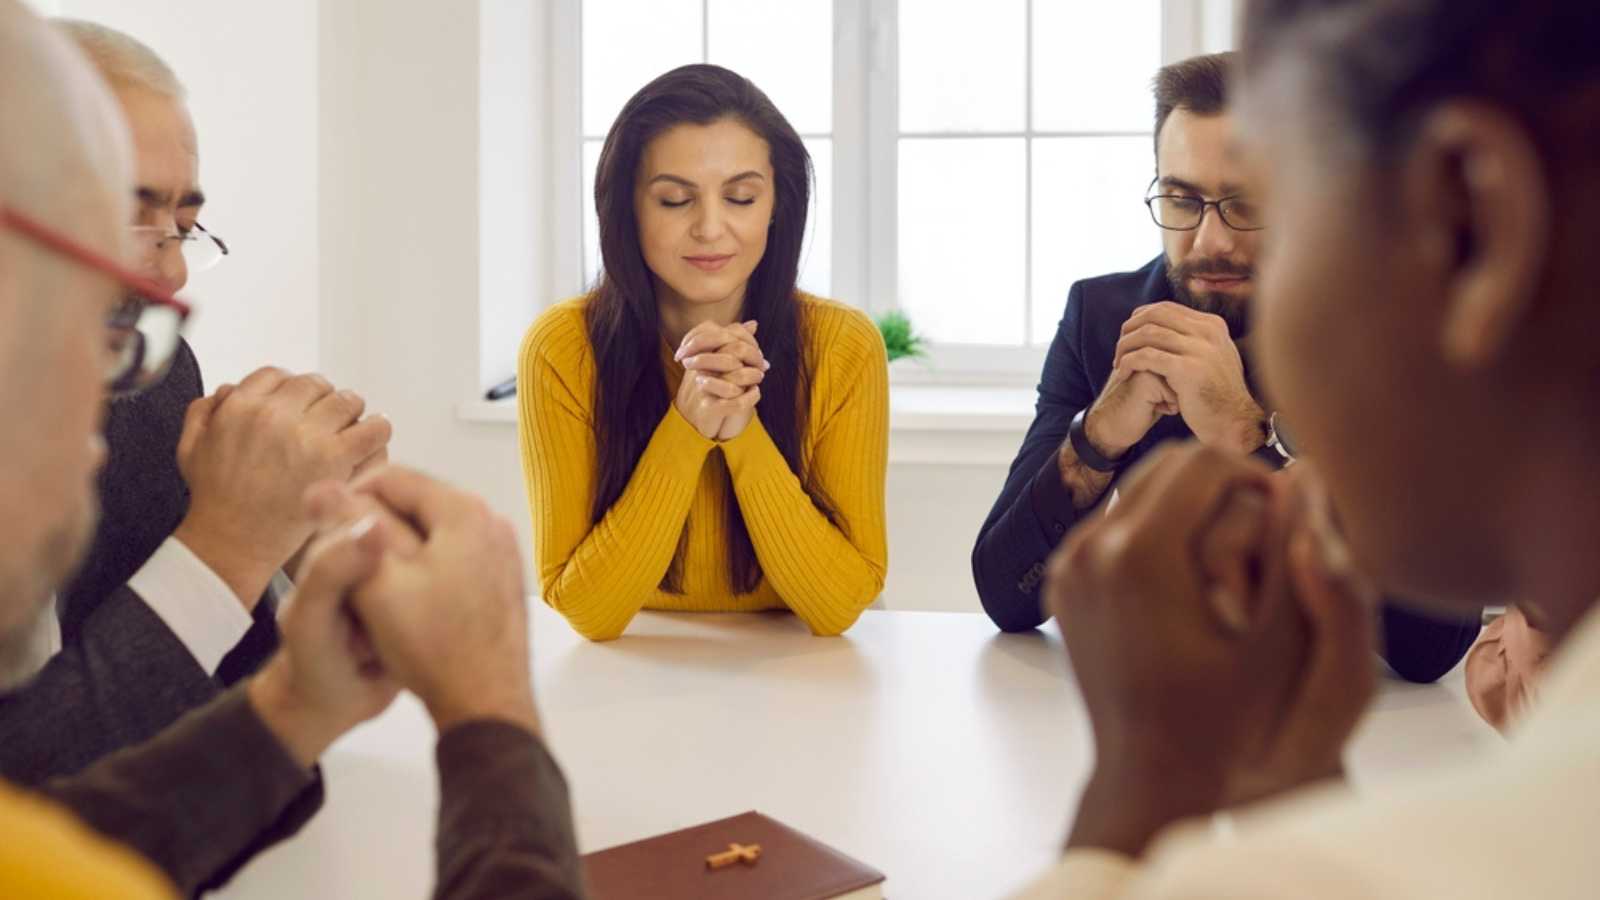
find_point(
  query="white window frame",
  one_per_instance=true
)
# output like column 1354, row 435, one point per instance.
column 865, row 177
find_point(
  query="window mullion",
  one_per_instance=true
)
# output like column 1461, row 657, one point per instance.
column 851, row 209
column 882, row 118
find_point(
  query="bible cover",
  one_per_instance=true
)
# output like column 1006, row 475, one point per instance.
column 673, row 866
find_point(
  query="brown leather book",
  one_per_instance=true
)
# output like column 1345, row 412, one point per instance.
column 674, row 866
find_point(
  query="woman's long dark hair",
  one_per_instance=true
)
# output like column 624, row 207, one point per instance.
column 623, row 319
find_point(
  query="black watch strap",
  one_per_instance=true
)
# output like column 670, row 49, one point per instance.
column 1275, row 452
column 1270, row 456
column 1085, row 449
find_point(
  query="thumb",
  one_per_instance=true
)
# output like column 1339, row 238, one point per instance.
column 339, row 562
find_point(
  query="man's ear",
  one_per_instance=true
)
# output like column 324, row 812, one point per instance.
column 1477, row 186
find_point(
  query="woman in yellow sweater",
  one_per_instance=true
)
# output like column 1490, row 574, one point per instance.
column 696, row 433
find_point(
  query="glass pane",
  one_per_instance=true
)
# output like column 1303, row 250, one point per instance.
column 626, row 44
column 1088, row 218
column 1092, row 65
column 786, row 48
column 962, row 65
column 962, row 227
column 591, row 219
column 816, row 256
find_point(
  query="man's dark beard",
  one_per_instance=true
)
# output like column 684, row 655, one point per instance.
column 1233, row 309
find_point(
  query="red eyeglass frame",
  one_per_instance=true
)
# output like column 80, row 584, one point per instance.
column 66, row 246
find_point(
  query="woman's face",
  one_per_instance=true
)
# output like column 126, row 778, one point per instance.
column 704, row 202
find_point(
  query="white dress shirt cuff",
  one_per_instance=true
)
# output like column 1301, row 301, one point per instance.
column 193, row 601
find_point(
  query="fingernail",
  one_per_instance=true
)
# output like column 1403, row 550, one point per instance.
column 363, row 526
column 1229, row 607
column 765, row 365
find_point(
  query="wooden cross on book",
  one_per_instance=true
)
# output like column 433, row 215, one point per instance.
column 735, row 853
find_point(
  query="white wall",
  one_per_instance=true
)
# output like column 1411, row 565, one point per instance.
column 399, row 275
column 345, row 157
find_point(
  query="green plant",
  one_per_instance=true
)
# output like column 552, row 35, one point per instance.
column 900, row 338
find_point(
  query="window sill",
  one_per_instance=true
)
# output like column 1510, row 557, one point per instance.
column 928, row 425
column 911, row 408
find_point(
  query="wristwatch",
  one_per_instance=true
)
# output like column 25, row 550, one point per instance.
column 1276, row 452
column 1087, row 453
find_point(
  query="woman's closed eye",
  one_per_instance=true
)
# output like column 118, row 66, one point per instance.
column 678, row 204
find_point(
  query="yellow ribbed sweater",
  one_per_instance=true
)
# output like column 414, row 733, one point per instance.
column 600, row 575
column 45, row 853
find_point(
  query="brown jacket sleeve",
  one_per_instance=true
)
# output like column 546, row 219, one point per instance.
column 201, row 798
column 505, row 822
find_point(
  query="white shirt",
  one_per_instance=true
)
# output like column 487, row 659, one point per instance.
column 1520, row 822
column 193, row 601
column 22, row 659
column 190, row 599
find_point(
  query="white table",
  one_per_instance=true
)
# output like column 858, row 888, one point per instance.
column 924, row 744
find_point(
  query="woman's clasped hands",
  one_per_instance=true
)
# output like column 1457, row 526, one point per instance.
column 723, row 369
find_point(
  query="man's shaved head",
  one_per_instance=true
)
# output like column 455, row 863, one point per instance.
column 64, row 162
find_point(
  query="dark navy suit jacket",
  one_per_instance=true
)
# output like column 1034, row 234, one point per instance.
column 1035, row 510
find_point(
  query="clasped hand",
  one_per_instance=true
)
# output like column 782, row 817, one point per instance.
column 723, row 370
column 1221, row 639
column 409, row 584
column 1173, row 360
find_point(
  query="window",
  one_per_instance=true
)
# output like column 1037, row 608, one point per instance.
column 972, row 159
column 626, row 43
column 1023, row 146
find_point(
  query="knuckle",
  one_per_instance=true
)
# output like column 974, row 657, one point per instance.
column 506, row 533
column 247, row 408
column 314, row 380
column 278, row 417
column 383, row 429
column 352, row 400
column 479, row 514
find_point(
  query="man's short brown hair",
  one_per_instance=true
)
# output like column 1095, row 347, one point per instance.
column 1198, row 84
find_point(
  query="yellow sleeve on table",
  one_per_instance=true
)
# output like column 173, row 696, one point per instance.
column 826, row 574
column 598, row 576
